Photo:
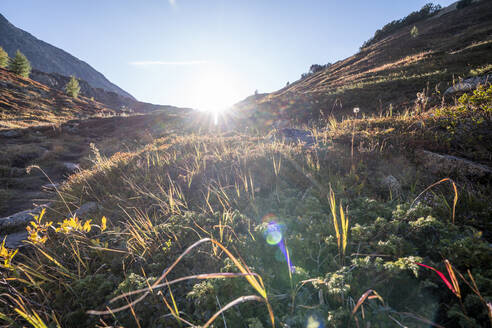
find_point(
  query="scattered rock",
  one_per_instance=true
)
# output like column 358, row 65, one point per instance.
column 71, row 167
column 469, row 84
column 391, row 183
column 437, row 163
column 20, row 219
column 11, row 133
column 14, row 240
column 290, row 135
column 87, row 208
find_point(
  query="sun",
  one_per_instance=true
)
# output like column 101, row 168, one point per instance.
column 214, row 90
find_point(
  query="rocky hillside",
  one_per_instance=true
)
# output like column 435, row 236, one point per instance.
column 108, row 98
column 387, row 75
column 47, row 58
column 25, row 103
column 43, row 126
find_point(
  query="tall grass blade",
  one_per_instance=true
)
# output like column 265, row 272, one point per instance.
column 344, row 220
column 237, row 301
column 333, row 208
column 172, row 282
column 441, row 275
column 455, row 189
column 452, row 276
column 363, row 298
column 257, row 284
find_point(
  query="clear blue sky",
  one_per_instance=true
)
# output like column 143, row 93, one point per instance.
column 205, row 53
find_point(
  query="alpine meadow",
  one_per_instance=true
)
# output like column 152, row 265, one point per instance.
column 358, row 195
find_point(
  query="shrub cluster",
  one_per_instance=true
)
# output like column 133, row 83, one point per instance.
column 315, row 68
column 426, row 11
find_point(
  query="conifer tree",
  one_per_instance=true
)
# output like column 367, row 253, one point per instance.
column 72, row 88
column 20, row 65
column 4, row 58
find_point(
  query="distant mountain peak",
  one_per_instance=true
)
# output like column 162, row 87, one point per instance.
column 50, row 59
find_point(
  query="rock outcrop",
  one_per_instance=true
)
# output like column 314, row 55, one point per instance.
column 19, row 220
column 448, row 164
column 469, row 84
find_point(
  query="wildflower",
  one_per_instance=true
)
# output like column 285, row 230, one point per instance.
column 103, row 223
column 74, row 224
column 37, row 232
column 7, row 255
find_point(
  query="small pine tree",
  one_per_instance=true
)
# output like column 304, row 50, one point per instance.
column 414, row 32
column 20, row 65
column 72, row 88
column 4, row 58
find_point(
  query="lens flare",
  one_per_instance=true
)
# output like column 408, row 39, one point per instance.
column 314, row 321
column 273, row 234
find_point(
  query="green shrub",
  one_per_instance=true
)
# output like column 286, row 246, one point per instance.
column 20, row 65
column 72, row 88
column 426, row 11
column 4, row 58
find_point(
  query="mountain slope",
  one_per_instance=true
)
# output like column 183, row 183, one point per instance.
column 48, row 58
column 451, row 45
column 43, row 126
column 27, row 103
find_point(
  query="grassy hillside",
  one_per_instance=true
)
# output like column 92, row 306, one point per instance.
column 44, row 126
column 307, row 235
column 390, row 72
column 26, row 103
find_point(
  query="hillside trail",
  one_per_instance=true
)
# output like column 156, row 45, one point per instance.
column 60, row 151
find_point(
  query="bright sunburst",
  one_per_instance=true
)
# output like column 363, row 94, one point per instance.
column 214, row 90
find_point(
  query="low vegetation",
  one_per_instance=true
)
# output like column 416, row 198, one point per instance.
column 388, row 73
column 20, row 65
column 4, row 58
column 72, row 88
column 426, row 11
column 236, row 229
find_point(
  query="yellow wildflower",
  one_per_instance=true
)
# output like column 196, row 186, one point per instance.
column 74, row 224
column 103, row 223
column 38, row 229
column 7, row 254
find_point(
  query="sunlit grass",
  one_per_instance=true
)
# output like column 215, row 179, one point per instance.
column 211, row 191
